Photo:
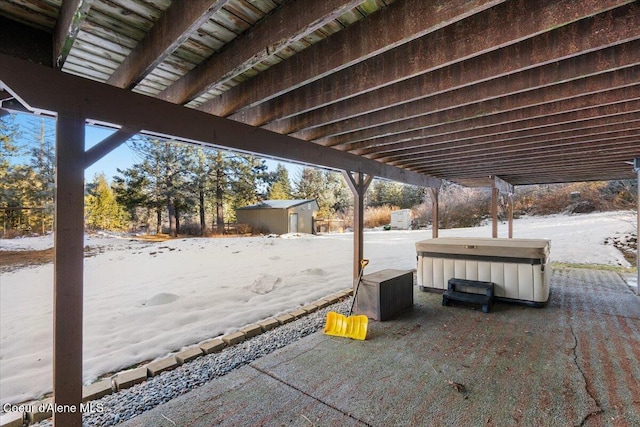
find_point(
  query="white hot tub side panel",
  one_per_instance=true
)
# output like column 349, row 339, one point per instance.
column 513, row 280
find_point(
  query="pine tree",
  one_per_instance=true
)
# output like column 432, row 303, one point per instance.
column 182, row 180
column 342, row 197
column 163, row 178
column 220, row 164
column 385, row 193
column 102, row 211
column 202, row 175
column 411, row 196
column 394, row 194
column 27, row 186
column 130, row 190
column 327, row 188
column 41, row 137
column 247, row 174
column 9, row 134
column 279, row 184
column 10, row 201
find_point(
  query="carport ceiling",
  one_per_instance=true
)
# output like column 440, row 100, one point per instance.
column 533, row 91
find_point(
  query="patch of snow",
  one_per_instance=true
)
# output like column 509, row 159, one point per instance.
column 144, row 300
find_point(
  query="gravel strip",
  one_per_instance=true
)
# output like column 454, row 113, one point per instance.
column 128, row 403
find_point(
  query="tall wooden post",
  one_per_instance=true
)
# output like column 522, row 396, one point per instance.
column 494, row 211
column 499, row 186
column 435, row 211
column 636, row 166
column 68, row 271
column 510, row 215
column 358, row 183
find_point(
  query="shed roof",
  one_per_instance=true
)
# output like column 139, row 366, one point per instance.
column 278, row 204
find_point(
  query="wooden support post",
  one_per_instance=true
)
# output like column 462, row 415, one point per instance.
column 435, row 211
column 510, row 216
column 499, row 186
column 68, row 271
column 636, row 165
column 358, row 183
column 494, row 211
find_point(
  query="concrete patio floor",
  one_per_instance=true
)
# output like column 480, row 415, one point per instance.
column 575, row 362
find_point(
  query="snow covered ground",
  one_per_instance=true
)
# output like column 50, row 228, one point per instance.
column 144, row 300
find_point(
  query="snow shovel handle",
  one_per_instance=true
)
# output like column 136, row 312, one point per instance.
column 363, row 264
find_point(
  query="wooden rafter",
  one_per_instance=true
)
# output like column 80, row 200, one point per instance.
column 573, row 114
column 45, row 89
column 488, row 144
column 274, row 33
column 242, row 54
column 399, row 23
column 179, row 21
column 505, row 109
column 457, row 85
column 450, row 45
column 72, row 13
column 557, row 75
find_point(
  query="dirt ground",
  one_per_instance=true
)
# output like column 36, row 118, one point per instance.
column 15, row 260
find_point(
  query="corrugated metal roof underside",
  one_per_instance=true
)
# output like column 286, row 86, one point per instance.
column 531, row 91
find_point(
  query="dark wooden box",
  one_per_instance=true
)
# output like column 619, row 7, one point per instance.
column 383, row 294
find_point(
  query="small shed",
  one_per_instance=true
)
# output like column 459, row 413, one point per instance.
column 280, row 216
column 401, row 219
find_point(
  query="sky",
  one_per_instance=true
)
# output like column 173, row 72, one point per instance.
column 122, row 157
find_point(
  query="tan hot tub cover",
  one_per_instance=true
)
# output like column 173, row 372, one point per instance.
column 518, row 267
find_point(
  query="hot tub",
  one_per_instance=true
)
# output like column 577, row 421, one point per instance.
column 519, row 268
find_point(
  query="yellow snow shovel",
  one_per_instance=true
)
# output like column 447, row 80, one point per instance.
column 354, row 327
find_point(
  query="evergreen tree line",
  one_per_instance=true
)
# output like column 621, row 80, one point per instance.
column 187, row 183
column 170, row 184
column 26, row 176
column 195, row 190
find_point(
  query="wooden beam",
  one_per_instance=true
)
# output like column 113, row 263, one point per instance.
column 607, row 172
column 619, row 115
column 514, row 108
column 587, row 161
column 394, row 25
column 48, row 89
column 358, row 183
column 636, row 168
column 68, row 269
column 459, row 84
column 173, row 28
column 269, row 36
column 70, row 18
column 573, row 112
column 501, row 185
column 584, row 166
column 107, row 145
column 543, row 148
column 181, row 18
column 450, row 45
